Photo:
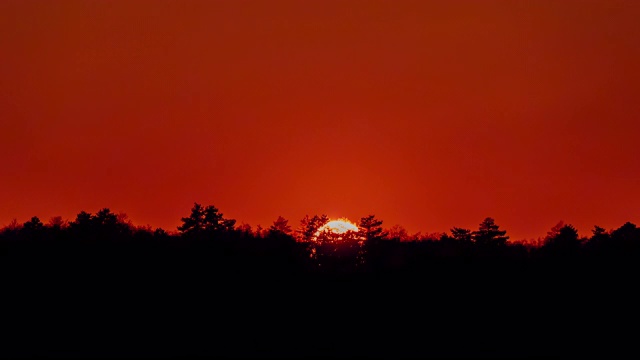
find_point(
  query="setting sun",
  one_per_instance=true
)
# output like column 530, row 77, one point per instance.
column 339, row 226
column 319, row 178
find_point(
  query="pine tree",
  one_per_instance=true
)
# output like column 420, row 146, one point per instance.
column 280, row 226
column 460, row 234
column 194, row 223
column 301, row 233
column 489, row 234
column 371, row 228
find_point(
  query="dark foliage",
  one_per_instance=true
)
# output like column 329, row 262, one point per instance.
column 99, row 286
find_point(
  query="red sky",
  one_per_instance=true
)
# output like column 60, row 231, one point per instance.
column 428, row 114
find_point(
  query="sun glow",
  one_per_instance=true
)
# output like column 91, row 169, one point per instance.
column 339, row 226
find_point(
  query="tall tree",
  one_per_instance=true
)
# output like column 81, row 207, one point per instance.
column 488, row 233
column 555, row 230
column 371, row 228
column 227, row 224
column 301, row 233
column 194, row 223
column 13, row 226
column 599, row 238
column 83, row 219
column 57, row 222
column 626, row 233
column 280, row 226
column 599, row 231
column 82, row 225
column 309, row 227
column 160, row 233
column 626, row 238
column 461, row 234
column 208, row 219
column 105, row 218
column 34, row 224
column 562, row 240
column 397, row 232
column 259, row 233
column 245, row 229
column 212, row 219
column 110, row 225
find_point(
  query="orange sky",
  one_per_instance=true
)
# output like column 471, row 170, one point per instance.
column 429, row 114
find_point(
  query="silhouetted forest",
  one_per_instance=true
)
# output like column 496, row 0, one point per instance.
column 100, row 286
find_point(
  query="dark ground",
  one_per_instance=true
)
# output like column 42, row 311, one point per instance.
column 118, row 307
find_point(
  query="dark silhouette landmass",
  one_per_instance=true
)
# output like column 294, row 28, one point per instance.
column 101, row 286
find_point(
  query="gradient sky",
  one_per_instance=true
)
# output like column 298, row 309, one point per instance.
column 428, row 114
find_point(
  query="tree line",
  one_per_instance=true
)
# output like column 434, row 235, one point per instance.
column 101, row 286
column 371, row 247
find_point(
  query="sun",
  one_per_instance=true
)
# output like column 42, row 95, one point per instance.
column 339, row 226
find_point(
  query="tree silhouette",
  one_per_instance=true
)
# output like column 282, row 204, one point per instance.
column 104, row 217
column 34, row 224
column 555, row 230
column 212, row 219
column 160, row 233
column 82, row 225
column 302, row 233
column 371, row 228
column 488, row 234
column 57, row 223
column 245, row 229
column 111, row 225
column 628, row 233
column 599, row 239
column 599, row 232
column 260, row 232
column 228, row 224
column 13, row 226
column 562, row 240
column 461, row 235
column 309, row 226
column 202, row 219
column 83, row 219
column 397, row 232
column 626, row 238
column 280, row 226
column 342, row 272
column 194, row 223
